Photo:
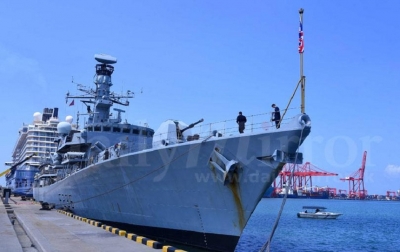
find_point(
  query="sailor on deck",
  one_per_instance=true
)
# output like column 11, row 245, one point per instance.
column 241, row 120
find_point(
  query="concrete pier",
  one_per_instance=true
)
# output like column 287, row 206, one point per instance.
column 25, row 227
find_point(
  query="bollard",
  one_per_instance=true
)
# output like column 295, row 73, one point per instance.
column 7, row 196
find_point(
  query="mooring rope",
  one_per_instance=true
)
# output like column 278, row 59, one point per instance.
column 266, row 245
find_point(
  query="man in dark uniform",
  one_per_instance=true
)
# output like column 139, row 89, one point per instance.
column 241, row 120
column 106, row 154
column 276, row 116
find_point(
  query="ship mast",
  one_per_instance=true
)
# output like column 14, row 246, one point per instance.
column 301, row 52
column 302, row 81
column 102, row 98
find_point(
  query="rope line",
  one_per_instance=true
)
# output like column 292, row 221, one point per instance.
column 266, row 246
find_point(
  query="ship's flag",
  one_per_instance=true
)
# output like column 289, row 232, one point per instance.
column 72, row 103
column 301, row 38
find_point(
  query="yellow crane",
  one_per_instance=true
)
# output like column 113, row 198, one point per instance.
column 16, row 164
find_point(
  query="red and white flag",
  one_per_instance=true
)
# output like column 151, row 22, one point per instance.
column 301, row 38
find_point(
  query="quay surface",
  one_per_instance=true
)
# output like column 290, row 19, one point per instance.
column 25, row 227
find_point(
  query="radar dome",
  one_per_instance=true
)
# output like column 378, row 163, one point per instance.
column 37, row 116
column 63, row 128
column 69, row 119
column 105, row 59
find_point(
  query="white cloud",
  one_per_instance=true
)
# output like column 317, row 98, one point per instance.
column 392, row 170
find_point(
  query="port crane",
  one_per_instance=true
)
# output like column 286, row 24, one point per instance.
column 391, row 195
column 356, row 181
column 12, row 168
column 301, row 177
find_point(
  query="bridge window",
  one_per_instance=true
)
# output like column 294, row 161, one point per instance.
column 126, row 130
column 144, row 132
column 97, row 128
column 135, row 131
column 106, row 128
column 116, row 129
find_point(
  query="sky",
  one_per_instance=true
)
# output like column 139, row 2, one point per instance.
column 193, row 59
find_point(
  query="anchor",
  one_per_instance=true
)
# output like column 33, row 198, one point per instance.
column 224, row 166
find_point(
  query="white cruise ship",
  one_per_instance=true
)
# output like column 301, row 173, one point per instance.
column 34, row 145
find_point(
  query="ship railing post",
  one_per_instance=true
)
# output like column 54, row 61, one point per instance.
column 224, row 127
column 252, row 123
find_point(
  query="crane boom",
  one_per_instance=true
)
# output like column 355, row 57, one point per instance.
column 4, row 172
column 16, row 164
column 364, row 160
column 356, row 180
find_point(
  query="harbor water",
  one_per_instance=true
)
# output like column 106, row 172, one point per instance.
column 364, row 226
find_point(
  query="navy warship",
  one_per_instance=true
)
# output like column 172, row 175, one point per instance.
column 177, row 183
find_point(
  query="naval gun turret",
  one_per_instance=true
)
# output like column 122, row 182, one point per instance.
column 173, row 132
column 180, row 131
column 191, row 125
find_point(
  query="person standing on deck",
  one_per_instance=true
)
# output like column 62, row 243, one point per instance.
column 106, row 154
column 276, row 116
column 241, row 120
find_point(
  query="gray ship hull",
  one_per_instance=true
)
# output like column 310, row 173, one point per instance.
column 177, row 193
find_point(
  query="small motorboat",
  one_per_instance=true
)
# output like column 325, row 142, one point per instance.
column 317, row 212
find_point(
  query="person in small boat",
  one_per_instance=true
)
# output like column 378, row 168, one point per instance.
column 241, row 120
column 305, row 211
column 317, row 210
